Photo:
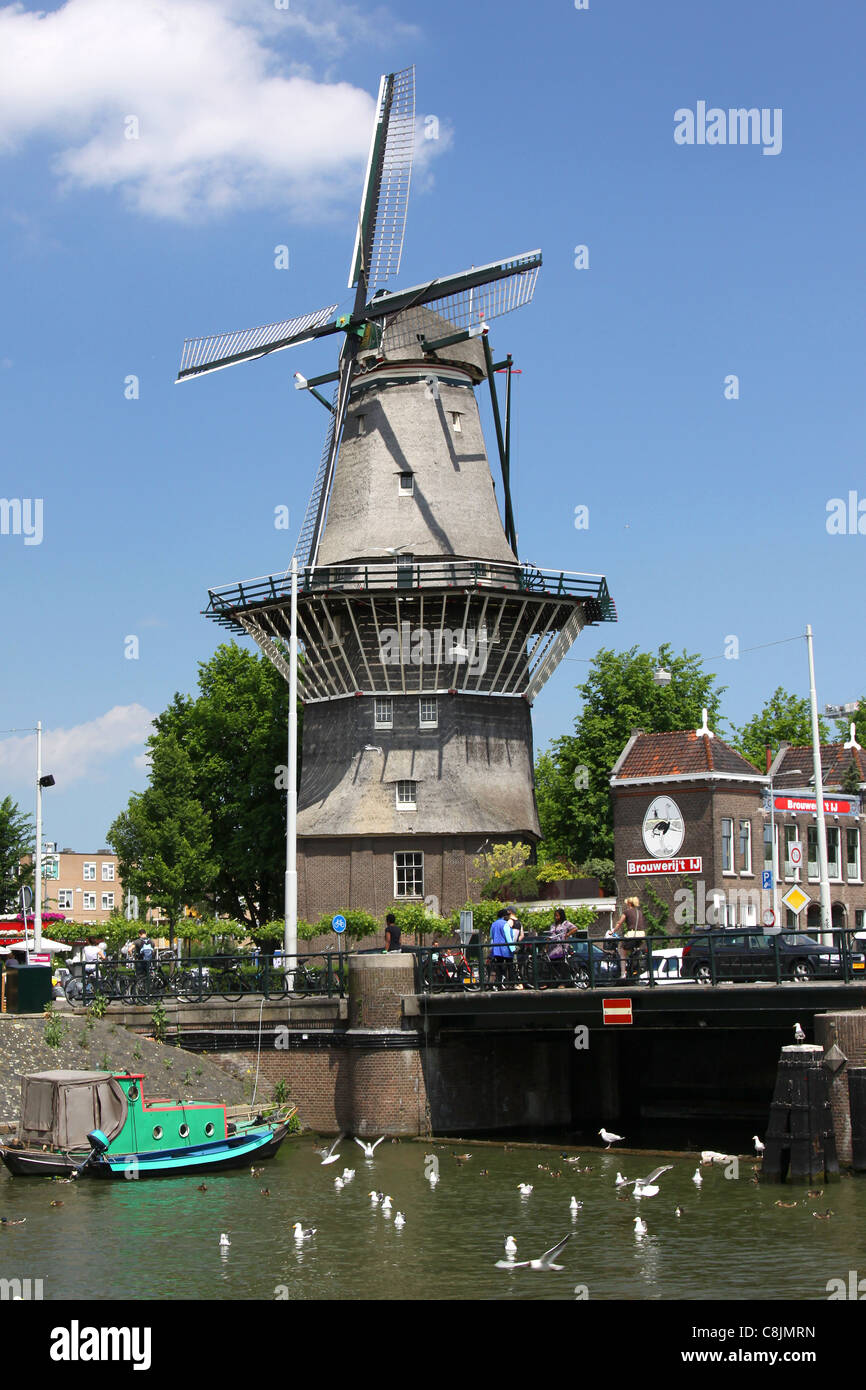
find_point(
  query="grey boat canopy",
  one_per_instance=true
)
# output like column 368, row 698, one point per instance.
column 60, row 1108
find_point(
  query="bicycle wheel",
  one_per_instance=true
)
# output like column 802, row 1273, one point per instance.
column 192, row 987
column 229, row 985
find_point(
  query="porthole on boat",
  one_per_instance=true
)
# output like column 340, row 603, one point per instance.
column 184, row 1131
column 208, row 1129
column 157, row 1131
column 133, row 1092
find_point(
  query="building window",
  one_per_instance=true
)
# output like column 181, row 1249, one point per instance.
column 745, row 846
column 859, row 918
column 107, row 902
column 383, row 714
column 834, row 852
column 455, row 421
column 791, row 838
column 428, row 712
column 852, row 854
column 408, row 874
column 65, row 898
column 812, row 853
column 406, row 484
column 89, row 872
column 407, row 796
column 727, row 845
column 405, row 571
column 88, row 900
column 108, row 873
column 769, row 866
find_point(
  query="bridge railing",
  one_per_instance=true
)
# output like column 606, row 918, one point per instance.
column 196, row 979
column 705, row 957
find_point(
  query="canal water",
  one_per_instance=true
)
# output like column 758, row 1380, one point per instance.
column 161, row 1239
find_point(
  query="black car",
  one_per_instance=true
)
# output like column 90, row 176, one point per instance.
column 751, row 954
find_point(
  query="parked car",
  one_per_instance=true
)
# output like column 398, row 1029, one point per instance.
column 667, row 965
column 751, row 955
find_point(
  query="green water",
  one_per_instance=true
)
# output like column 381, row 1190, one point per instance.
column 160, row 1239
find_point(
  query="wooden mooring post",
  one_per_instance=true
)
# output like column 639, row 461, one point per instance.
column 857, row 1100
column 800, row 1143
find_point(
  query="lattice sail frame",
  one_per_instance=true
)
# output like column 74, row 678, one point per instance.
column 384, row 206
column 467, row 308
column 220, row 350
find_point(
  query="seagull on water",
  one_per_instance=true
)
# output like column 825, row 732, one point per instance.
column 386, row 1204
column 639, row 1227
column 338, row 1183
column 301, row 1234
column 399, row 1221
column 799, row 1035
column 759, row 1147
column 348, row 1174
column 369, row 1149
column 330, row 1156
column 510, row 1246
column 376, row 1197
column 610, row 1138
column 545, row 1261
column 697, row 1179
column 621, row 1181
column 678, row 1211
column 525, row 1188
column 433, row 1178
column 647, row 1187
column 224, row 1241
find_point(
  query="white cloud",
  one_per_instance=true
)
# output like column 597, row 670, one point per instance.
column 227, row 114
column 82, row 751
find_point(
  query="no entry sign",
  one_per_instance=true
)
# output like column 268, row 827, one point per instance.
column 616, row 1011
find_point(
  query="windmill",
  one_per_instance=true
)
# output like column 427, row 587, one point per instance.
column 425, row 638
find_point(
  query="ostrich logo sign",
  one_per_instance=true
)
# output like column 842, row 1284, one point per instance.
column 663, row 828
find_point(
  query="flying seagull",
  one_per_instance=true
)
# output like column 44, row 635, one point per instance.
column 369, row 1149
column 610, row 1138
column 331, row 1157
column 646, row 1187
column 545, row 1261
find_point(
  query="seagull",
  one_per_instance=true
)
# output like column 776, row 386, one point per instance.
column 348, row 1174
column 399, row 1220
column 621, row 1181
column 639, row 1227
column 369, row 1149
column 433, row 1178
column 647, row 1187
column 525, row 1188
column 799, row 1035
column 610, row 1138
column 510, row 1246
column 224, row 1241
column 301, row 1234
column 678, row 1211
column 376, row 1197
column 545, row 1261
column 697, row 1179
column 575, row 1205
column 759, row 1147
column 710, row 1156
column 331, row 1157
column 339, row 1183
column 386, row 1205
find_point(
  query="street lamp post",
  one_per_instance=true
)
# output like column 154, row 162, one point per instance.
column 47, row 781
column 826, row 911
column 290, row 933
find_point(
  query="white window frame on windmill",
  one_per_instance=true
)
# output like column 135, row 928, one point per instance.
column 406, row 795
column 362, row 423
column 456, row 422
column 402, row 480
column 383, row 712
column 428, row 712
column 411, row 867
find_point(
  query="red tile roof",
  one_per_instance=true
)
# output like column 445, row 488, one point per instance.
column 673, row 754
column 835, row 762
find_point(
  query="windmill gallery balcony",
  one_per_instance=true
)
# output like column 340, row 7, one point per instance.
column 407, row 627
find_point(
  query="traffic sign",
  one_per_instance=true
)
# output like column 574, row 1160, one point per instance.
column 796, row 899
column 616, row 1011
column 767, row 880
column 338, row 923
column 769, row 918
column 795, row 853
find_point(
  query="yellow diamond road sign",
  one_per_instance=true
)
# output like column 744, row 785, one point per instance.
column 796, row 899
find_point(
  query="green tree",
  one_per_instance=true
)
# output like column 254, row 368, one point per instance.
column 17, row 838
column 235, row 734
column 784, row 718
column 572, row 777
column 163, row 838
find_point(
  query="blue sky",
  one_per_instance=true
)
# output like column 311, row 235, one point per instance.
column 556, row 129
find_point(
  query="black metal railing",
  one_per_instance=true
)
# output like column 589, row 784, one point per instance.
column 196, row 979
column 723, row 956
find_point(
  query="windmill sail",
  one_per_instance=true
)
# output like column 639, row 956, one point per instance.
column 202, row 355
column 465, row 300
column 385, row 198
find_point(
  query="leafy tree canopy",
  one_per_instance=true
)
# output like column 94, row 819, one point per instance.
column 17, row 838
column 785, row 718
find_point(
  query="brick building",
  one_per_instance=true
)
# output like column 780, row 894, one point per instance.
column 86, row 887
column 698, row 828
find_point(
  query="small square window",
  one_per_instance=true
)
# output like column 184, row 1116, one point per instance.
column 362, row 424
column 407, row 796
column 428, row 712
column 406, row 484
column 455, row 421
column 108, row 873
column 89, row 873
column 383, row 715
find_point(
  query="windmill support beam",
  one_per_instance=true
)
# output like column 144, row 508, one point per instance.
column 500, row 444
column 554, row 654
column 266, row 645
